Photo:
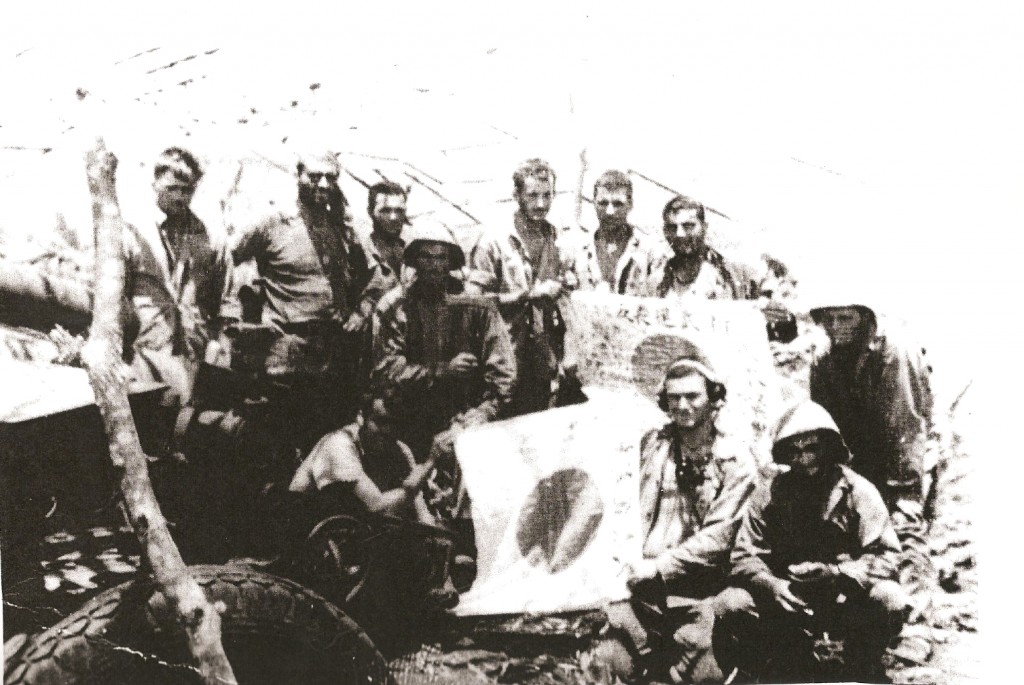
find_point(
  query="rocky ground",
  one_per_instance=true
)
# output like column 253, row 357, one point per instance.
column 76, row 559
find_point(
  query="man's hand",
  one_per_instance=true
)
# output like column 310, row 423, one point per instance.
column 354, row 323
column 774, row 312
column 639, row 571
column 462, row 364
column 784, row 597
column 813, row 570
column 546, row 289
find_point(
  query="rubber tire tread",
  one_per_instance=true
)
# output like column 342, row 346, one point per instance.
column 114, row 637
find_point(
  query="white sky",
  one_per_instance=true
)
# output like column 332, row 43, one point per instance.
column 905, row 117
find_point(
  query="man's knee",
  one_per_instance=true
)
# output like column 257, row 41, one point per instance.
column 890, row 598
column 733, row 601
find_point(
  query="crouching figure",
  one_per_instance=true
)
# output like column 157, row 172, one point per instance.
column 694, row 485
column 815, row 554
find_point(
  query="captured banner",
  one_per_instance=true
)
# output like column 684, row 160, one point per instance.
column 554, row 494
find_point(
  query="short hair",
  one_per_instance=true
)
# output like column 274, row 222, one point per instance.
column 179, row 162
column 328, row 157
column 533, row 168
column 680, row 203
column 716, row 391
column 383, row 188
column 614, row 180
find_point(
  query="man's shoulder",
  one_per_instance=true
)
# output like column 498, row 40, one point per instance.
column 392, row 300
column 342, row 442
column 863, row 493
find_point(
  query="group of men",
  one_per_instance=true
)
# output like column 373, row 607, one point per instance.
column 400, row 339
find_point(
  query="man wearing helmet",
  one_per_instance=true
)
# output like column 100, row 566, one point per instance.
column 694, row 486
column 447, row 353
column 816, row 552
column 877, row 390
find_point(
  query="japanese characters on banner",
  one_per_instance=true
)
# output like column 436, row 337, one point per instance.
column 554, row 494
column 628, row 342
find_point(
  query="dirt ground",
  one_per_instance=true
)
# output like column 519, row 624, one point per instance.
column 939, row 645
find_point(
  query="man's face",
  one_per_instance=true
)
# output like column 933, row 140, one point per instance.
column 378, row 428
column 804, row 454
column 612, row 206
column 389, row 214
column 535, row 198
column 318, row 180
column 173, row 194
column 842, row 324
column 433, row 262
column 685, row 232
column 689, row 406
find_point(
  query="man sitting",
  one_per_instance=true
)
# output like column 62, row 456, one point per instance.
column 378, row 471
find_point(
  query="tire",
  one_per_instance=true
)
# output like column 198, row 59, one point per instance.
column 274, row 631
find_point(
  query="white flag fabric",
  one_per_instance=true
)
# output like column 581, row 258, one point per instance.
column 555, row 494
column 554, row 505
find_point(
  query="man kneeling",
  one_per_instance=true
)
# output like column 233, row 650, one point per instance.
column 694, row 485
column 815, row 554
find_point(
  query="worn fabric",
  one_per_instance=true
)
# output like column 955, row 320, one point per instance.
column 716, row 278
column 180, row 281
column 786, row 525
column 417, row 337
column 691, row 501
column 764, row 643
column 880, row 397
column 657, row 275
column 388, row 254
column 504, row 262
column 312, row 270
column 595, row 269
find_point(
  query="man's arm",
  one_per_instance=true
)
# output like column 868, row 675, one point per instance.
column 752, row 550
column 251, row 243
column 879, row 544
column 487, row 276
column 499, row 370
column 375, row 284
column 711, row 544
column 906, row 401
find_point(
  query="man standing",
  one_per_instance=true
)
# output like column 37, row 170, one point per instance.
column 386, row 206
column 694, row 486
column 179, row 279
column 692, row 268
column 617, row 247
column 816, row 553
column 878, row 392
column 523, row 270
column 446, row 354
column 319, row 287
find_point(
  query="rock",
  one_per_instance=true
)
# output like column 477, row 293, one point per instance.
column 915, row 650
column 919, row 675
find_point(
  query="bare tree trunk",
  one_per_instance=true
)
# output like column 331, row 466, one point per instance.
column 108, row 376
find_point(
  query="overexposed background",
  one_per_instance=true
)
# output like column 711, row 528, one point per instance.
column 874, row 147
